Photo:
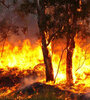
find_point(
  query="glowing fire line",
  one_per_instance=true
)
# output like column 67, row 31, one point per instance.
column 27, row 57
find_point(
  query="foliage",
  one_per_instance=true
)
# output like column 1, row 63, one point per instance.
column 56, row 15
column 7, row 29
column 27, row 7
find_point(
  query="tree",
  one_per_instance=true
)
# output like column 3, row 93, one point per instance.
column 58, row 18
column 24, row 9
column 63, row 22
column 75, row 11
column 42, row 28
column 37, row 7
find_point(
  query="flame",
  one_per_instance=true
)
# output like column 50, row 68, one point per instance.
column 25, row 56
column 81, row 66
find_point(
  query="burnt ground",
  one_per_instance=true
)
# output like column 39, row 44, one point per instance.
column 13, row 76
column 52, row 91
column 37, row 90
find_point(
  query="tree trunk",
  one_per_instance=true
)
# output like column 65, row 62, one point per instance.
column 71, row 32
column 47, row 60
column 70, row 48
column 42, row 27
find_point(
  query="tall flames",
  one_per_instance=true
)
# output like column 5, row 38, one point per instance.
column 25, row 56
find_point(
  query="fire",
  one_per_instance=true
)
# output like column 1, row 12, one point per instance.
column 25, row 56
column 81, row 65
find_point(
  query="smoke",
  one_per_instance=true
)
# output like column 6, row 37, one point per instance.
column 13, row 17
column 29, row 80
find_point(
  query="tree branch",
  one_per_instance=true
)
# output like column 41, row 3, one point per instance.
column 82, row 62
column 52, row 36
column 3, row 3
column 59, row 63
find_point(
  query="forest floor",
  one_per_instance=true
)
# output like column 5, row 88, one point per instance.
column 11, row 82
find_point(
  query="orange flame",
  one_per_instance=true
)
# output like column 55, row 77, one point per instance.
column 23, row 57
column 26, row 56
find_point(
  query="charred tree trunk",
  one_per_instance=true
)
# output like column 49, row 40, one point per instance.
column 47, row 60
column 70, row 48
column 71, row 32
column 42, row 27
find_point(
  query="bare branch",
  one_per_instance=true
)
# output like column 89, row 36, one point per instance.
column 50, row 38
column 59, row 63
column 3, row 3
column 82, row 62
